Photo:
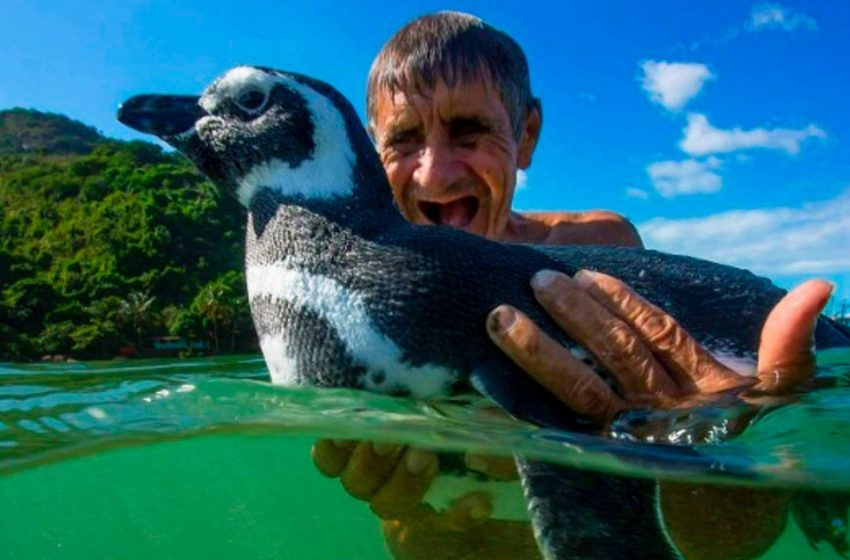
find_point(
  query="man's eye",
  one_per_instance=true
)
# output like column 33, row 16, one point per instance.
column 252, row 100
column 404, row 141
column 467, row 140
column 466, row 132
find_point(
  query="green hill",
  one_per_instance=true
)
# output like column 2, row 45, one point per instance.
column 106, row 244
column 24, row 131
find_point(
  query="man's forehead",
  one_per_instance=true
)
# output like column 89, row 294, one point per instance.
column 470, row 97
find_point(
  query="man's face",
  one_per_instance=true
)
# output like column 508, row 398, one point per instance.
column 451, row 155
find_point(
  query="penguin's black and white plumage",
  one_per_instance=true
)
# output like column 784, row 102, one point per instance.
column 345, row 293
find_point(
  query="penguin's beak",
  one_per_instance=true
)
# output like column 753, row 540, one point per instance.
column 161, row 115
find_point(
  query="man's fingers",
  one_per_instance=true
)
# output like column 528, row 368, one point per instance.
column 369, row 468
column 407, row 484
column 785, row 353
column 694, row 369
column 331, row 456
column 611, row 341
column 553, row 366
column 467, row 512
column 499, row 467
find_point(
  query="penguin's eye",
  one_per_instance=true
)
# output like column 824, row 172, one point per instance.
column 251, row 100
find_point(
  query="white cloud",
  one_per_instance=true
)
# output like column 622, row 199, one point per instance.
column 673, row 84
column 776, row 16
column 763, row 17
column 690, row 176
column 637, row 193
column 521, row 180
column 701, row 138
column 812, row 239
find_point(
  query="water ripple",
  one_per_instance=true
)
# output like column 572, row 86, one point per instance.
column 52, row 411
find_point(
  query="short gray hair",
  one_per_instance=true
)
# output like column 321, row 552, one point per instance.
column 453, row 47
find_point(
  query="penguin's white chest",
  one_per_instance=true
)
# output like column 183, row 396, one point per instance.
column 345, row 311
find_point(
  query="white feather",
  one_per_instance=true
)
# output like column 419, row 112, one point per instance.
column 346, row 312
column 283, row 366
column 327, row 174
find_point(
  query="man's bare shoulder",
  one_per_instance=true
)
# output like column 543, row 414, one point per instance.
column 593, row 227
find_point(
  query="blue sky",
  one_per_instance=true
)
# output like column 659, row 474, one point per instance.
column 720, row 128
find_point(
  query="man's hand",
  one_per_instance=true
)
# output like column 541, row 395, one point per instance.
column 654, row 361
column 425, row 534
column 394, row 479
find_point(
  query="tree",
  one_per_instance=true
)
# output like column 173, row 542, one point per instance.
column 99, row 237
column 223, row 308
column 135, row 314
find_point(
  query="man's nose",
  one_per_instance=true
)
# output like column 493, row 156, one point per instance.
column 436, row 168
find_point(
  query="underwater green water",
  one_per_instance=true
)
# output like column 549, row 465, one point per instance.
column 204, row 459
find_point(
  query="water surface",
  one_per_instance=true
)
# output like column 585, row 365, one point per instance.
column 204, row 458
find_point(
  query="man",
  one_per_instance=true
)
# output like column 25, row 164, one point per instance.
column 450, row 108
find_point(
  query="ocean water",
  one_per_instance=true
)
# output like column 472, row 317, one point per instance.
column 203, row 458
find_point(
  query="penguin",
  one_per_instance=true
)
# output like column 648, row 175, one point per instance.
column 344, row 292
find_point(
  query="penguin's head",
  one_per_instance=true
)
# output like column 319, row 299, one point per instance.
column 256, row 128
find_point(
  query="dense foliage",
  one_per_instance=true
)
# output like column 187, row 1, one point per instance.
column 34, row 132
column 104, row 248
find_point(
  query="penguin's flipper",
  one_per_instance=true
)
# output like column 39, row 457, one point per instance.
column 576, row 513
column 822, row 518
column 583, row 515
column 502, row 382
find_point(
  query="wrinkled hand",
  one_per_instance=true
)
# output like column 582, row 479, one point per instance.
column 425, row 534
column 653, row 360
column 394, row 479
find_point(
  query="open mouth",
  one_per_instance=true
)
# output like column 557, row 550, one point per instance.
column 458, row 213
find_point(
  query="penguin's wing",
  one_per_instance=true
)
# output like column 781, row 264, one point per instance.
column 821, row 516
column 504, row 383
column 584, row 514
column 579, row 514
column 575, row 513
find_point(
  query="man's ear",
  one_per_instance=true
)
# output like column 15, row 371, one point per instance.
column 529, row 135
